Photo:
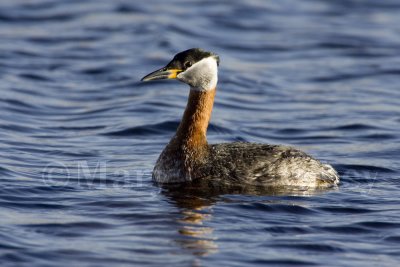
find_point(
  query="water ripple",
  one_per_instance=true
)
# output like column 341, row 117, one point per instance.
column 80, row 133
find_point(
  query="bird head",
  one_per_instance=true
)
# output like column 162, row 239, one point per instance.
column 196, row 67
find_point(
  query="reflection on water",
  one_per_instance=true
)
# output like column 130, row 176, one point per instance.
column 196, row 237
column 195, row 203
column 194, row 210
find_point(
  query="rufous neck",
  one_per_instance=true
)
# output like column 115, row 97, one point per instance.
column 193, row 128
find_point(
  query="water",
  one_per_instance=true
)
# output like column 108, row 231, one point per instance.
column 79, row 134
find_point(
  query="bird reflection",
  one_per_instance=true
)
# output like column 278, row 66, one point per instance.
column 195, row 208
column 195, row 201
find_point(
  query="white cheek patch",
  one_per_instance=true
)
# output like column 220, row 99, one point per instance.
column 202, row 76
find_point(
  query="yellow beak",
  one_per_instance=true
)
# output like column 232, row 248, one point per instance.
column 161, row 74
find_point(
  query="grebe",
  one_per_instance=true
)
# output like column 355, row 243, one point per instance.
column 188, row 157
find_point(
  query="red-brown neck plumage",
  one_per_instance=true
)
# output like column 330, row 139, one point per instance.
column 193, row 128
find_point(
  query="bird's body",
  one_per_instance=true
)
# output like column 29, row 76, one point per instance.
column 245, row 163
column 189, row 157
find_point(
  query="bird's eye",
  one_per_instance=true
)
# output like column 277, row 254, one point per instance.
column 187, row 64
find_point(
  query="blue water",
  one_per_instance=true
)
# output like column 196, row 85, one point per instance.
column 79, row 134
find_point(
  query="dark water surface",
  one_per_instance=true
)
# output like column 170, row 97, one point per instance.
column 79, row 134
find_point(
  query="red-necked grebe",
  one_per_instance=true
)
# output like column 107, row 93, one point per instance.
column 189, row 157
